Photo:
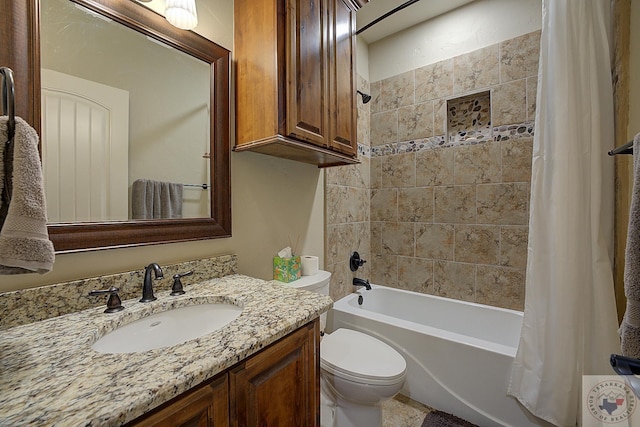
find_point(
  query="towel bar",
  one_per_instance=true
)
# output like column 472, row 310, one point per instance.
column 203, row 186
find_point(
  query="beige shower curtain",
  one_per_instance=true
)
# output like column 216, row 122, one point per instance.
column 570, row 323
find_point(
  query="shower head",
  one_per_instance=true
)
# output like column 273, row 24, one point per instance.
column 365, row 98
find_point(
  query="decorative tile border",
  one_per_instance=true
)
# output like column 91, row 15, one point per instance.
column 515, row 131
column 469, row 117
column 500, row 133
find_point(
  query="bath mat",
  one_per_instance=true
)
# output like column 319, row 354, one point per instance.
column 442, row 419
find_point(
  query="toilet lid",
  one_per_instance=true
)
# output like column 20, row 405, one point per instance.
column 353, row 354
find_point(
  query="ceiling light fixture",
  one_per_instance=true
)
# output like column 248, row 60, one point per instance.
column 182, row 13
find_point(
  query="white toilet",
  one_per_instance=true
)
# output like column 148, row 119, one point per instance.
column 357, row 372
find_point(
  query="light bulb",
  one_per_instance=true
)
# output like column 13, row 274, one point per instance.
column 182, row 13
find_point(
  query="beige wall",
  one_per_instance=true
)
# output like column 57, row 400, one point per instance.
column 362, row 58
column 215, row 19
column 273, row 201
column 476, row 25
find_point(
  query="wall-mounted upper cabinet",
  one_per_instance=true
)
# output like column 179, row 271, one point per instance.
column 295, row 79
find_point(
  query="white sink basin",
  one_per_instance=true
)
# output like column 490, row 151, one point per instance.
column 167, row 328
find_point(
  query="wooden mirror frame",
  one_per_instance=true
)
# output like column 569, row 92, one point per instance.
column 20, row 39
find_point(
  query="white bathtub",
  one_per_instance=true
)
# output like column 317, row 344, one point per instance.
column 458, row 354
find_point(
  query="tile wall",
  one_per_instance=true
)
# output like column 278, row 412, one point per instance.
column 439, row 215
column 449, row 216
column 347, row 206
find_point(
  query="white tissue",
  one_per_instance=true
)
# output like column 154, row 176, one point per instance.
column 309, row 264
column 285, row 253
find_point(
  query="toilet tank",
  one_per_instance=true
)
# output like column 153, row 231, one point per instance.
column 318, row 283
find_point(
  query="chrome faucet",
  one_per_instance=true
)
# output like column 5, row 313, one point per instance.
column 147, row 285
column 361, row 282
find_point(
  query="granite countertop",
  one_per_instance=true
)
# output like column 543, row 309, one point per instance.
column 49, row 375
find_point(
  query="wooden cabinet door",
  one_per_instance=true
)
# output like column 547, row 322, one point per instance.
column 342, row 86
column 203, row 406
column 306, row 62
column 280, row 385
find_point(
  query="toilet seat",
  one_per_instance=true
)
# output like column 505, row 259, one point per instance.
column 360, row 358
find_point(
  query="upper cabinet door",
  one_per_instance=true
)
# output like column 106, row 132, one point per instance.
column 307, row 79
column 295, row 90
column 342, row 87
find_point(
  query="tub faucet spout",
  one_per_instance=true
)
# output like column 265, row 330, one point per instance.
column 361, row 282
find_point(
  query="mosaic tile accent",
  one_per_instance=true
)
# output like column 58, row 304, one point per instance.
column 469, row 118
column 515, row 131
column 500, row 133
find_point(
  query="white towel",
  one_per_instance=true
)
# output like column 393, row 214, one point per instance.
column 24, row 240
column 156, row 199
column 630, row 329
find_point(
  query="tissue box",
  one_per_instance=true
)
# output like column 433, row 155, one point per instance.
column 286, row 269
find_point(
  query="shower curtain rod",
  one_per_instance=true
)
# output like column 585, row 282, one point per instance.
column 623, row 149
column 386, row 15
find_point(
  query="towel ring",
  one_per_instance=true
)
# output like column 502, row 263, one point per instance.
column 8, row 96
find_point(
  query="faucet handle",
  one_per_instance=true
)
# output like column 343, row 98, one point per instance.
column 355, row 261
column 114, row 303
column 176, row 289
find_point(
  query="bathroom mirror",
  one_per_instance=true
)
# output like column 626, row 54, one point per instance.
column 113, row 122
column 207, row 152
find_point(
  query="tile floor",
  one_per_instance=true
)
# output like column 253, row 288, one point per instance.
column 403, row 412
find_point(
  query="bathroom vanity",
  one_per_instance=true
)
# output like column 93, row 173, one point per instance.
column 277, row 386
column 260, row 369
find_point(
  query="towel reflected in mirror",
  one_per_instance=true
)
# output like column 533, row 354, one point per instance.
column 156, row 199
